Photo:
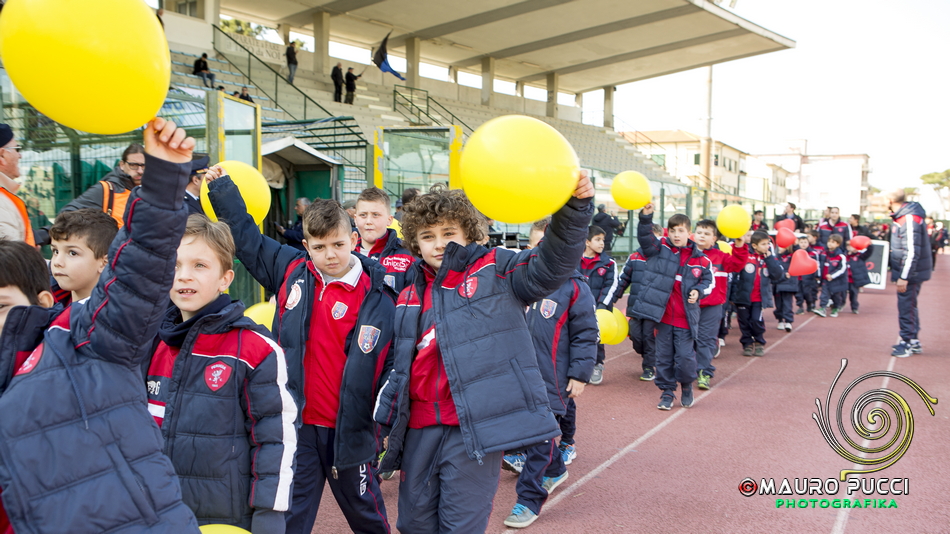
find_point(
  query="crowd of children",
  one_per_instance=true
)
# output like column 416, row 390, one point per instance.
column 428, row 355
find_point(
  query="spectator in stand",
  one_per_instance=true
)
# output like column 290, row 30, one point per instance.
column 758, row 223
column 790, row 214
column 608, row 223
column 407, row 196
column 856, row 228
column 294, row 234
column 112, row 193
column 221, row 88
column 351, row 85
column 201, row 69
column 910, row 268
column 245, row 96
column 14, row 222
column 833, row 225
column 291, row 54
column 337, row 77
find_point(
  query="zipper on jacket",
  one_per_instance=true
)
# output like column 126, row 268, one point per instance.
column 335, row 474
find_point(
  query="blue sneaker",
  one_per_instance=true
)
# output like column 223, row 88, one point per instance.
column 915, row 347
column 901, row 350
column 514, row 462
column 568, row 453
column 686, row 397
column 550, row 483
column 520, row 517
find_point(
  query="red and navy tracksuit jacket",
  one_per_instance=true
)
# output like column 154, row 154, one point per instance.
column 297, row 284
column 786, row 284
column 631, row 277
column 217, row 387
column 755, row 280
column 722, row 265
column 564, row 331
column 394, row 257
column 808, row 283
column 858, row 268
column 601, row 275
column 80, row 452
column 835, row 264
column 826, row 228
column 476, row 326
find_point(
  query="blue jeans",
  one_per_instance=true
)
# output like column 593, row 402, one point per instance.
column 205, row 76
column 293, row 70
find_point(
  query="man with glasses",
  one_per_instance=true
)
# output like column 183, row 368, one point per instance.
column 14, row 221
column 112, row 192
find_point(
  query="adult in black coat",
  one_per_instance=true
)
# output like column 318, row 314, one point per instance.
column 337, row 77
column 351, row 85
column 790, row 214
column 192, row 191
column 856, row 227
column 608, row 223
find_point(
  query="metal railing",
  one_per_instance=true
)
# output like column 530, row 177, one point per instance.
column 421, row 109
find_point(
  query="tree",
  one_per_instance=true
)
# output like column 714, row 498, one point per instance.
column 241, row 27
column 300, row 44
column 937, row 179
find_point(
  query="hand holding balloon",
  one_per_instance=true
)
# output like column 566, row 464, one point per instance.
column 585, row 189
column 164, row 140
column 647, row 210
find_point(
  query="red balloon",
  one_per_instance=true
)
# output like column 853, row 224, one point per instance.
column 785, row 223
column 785, row 237
column 860, row 242
column 802, row 264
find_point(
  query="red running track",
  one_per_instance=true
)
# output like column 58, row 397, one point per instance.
column 640, row 469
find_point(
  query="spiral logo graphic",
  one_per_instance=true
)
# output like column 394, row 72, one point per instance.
column 748, row 487
column 878, row 419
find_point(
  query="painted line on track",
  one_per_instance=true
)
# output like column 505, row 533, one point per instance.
column 551, row 503
column 841, row 522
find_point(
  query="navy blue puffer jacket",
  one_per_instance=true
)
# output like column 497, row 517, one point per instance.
column 79, row 451
column 910, row 245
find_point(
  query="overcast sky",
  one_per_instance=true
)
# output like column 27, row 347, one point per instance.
column 865, row 77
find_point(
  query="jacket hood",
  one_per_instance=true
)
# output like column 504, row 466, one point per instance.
column 909, row 208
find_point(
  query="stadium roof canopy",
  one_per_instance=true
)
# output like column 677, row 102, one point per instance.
column 589, row 43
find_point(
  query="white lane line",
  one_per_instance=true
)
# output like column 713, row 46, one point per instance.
column 618, row 356
column 551, row 503
column 842, row 520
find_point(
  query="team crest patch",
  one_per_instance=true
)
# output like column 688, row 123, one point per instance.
column 765, row 271
column 339, row 310
column 469, row 288
column 217, row 375
column 749, row 268
column 31, row 362
column 390, row 281
column 548, row 307
column 697, row 272
column 294, row 298
column 369, row 336
column 602, row 271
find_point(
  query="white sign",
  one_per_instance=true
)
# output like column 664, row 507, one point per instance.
column 265, row 50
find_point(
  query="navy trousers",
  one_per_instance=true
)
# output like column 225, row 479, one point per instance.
column 542, row 460
column 441, row 489
column 907, row 313
column 568, row 423
column 853, row 292
column 709, row 319
column 356, row 489
column 675, row 357
column 601, row 353
column 784, row 312
column 644, row 340
column 751, row 324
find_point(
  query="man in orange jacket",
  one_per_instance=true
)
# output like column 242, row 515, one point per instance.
column 14, row 222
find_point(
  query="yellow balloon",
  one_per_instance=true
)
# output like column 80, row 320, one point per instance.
column 74, row 63
column 262, row 313
column 725, row 247
column 252, row 185
column 631, row 190
column 607, row 325
column 222, row 529
column 517, row 169
column 395, row 225
column 623, row 328
column 734, row 221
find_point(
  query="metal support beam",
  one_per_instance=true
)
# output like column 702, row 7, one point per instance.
column 321, row 43
column 609, row 106
column 488, row 81
column 551, row 110
column 413, row 45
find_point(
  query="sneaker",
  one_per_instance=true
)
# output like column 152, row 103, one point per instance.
column 915, row 347
column 551, row 483
column 759, row 350
column 718, row 350
column 722, row 342
column 666, row 401
column 820, row 312
column 901, row 350
column 788, row 327
column 834, row 312
column 513, row 462
column 568, row 453
column 648, row 374
column 520, row 517
column 854, row 312
column 781, row 326
column 747, row 351
column 702, row 380
column 387, row 475
column 799, row 311
column 598, row 376
column 686, row 398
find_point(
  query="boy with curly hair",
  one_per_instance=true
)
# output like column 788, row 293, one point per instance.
column 466, row 385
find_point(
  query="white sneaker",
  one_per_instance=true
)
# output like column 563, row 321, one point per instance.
column 722, row 342
column 781, row 326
